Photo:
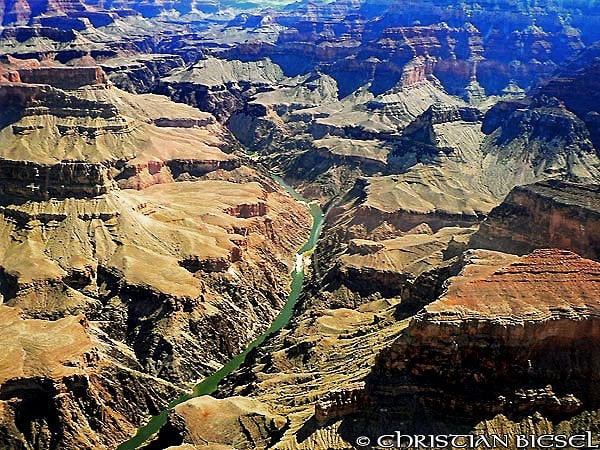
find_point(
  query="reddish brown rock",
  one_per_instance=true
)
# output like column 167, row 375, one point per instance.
column 247, row 210
column 341, row 402
column 9, row 76
column 22, row 11
column 63, row 77
column 417, row 71
column 545, row 214
column 506, row 329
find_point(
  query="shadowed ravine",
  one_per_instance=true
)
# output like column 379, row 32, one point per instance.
column 210, row 384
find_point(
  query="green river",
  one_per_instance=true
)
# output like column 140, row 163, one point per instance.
column 210, row 384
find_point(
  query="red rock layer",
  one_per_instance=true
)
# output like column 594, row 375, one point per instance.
column 64, row 77
column 544, row 285
column 506, row 328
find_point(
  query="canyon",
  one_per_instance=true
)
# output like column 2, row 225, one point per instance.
column 147, row 237
column 98, row 186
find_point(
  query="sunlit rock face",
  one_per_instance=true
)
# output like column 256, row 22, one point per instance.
column 138, row 248
column 506, row 328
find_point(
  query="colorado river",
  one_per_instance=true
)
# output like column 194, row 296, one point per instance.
column 210, row 384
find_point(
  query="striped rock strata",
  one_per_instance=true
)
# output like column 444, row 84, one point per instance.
column 511, row 334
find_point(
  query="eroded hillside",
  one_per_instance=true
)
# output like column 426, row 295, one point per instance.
column 143, row 242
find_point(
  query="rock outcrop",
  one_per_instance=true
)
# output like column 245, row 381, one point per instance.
column 22, row 11
column 140, row 74
column 551, row 213
column 68, row 78
column 392, row 266
column 234, row 422
column 511, row 335
column 132, row 227
column 220, row 86
column 547, row 139
column 87, row 136
column 59, row 390
column 342, row 402
column 568, row 85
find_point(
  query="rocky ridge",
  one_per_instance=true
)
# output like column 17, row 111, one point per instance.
column 201, row 246
column 551, row 213
column 84, row 141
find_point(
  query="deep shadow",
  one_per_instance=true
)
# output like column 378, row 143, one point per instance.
column 309, row 427
column 408, row 418
column 9, row 115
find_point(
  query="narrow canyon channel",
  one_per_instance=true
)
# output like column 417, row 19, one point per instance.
column 210, row 384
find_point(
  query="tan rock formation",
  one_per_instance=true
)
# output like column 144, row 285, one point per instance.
column 58, row 390
column 154, row 244
column 85, row 142
column 166, row 273
column 391, row 266
column 231, row 423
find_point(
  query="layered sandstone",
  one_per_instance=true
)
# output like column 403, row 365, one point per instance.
column 391, row 266
column 68, row 78
column 140, row 74
column 511, row 334
column 544, row 140
column 326, row 93
column 21, row 11
column 551, row 213
column 89, row 137
column 342, row 402
column 579, row 76
column 219, row 86
column 168, row 250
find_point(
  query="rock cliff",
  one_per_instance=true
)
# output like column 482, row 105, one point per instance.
column 132, row 225
column 140, row 74
column 576, row 77
column 550, row 213
column 507, row 336
column 90, row 137
column 547, row 139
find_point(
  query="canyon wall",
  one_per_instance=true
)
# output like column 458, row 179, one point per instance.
column 546, row 214
column 511, row 335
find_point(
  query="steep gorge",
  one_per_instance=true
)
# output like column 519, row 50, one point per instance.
column 428, row 132
column 170, row 278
